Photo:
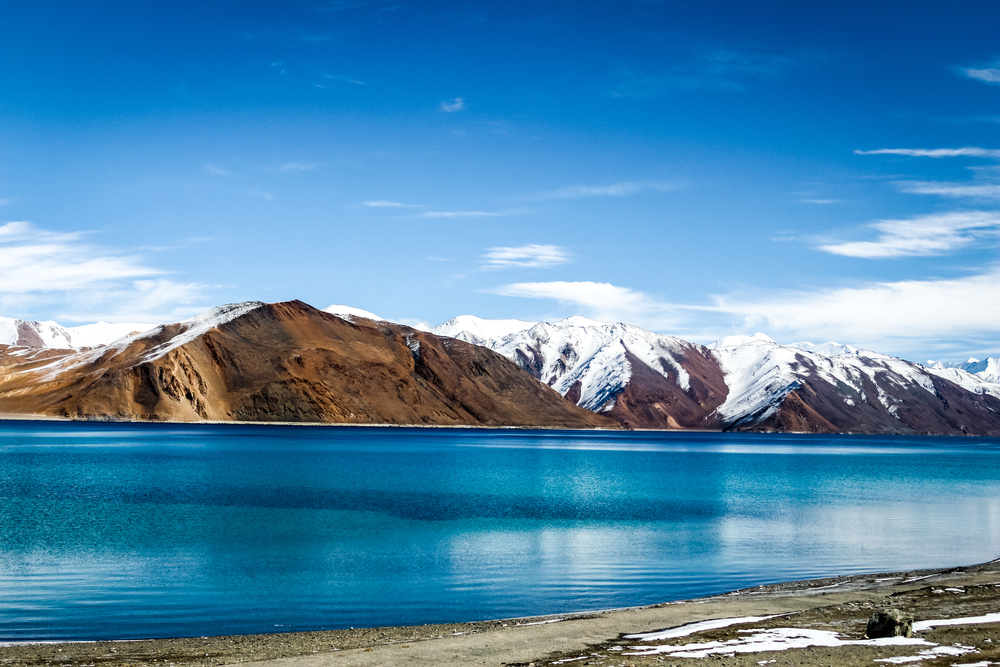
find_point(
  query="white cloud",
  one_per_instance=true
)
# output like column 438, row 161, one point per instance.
column 258, row 194
column 927, row 235
column 978, row 191
column 389, row 204
column 215, row 171
column 35, row 260
column 612, row 190
column 39, row 266
column 894, row 317
column 453, row 105
column 601, row 301
column 968, row 151
column 467, row 214
column 988, row 74
column 532, row 256
column 901, row 314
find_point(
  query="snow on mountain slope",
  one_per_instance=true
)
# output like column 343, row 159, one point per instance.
column 588, row 361
column 103, row 333
column 351, row 311
column 478, row 331
column 160, row 340
column 987, row 370
column 760, row 373
column 977, row 382
column 648, row 380
column 828, row 349
column 25, row 333
column 33, row 334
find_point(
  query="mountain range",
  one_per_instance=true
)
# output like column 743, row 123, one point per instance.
column 292, row 362
column 647, row 380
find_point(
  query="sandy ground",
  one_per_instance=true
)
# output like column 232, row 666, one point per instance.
column 817, row 608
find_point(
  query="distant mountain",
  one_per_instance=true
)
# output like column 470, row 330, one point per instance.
column 647, row 380
column 988, row 370
column 283, row 362
column 26, row 333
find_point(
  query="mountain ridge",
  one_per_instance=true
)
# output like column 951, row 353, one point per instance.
column 647, row 380
column 284, row 362
column 619, row 373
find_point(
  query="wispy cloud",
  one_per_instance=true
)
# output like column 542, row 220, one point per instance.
column 215, row 171
column 468, row 214
column 968, row 151
column 528, row 256
column 820, row 201
column 345, row 79
column 258, row 194
column 927, row 235
column 41, row 266
column 623, row 189
column 971, row 190
column 452, row 105
column 388, row 204
column 987, row 74
column 298, row 166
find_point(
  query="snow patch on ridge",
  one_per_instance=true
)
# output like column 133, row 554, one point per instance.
column 478, row 331
column 194, row 327
column 350, row 311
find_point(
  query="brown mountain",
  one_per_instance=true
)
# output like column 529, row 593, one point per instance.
column 284, row 362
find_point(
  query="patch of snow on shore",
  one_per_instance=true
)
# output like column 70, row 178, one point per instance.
column 700, row 626
column 777, row 639
column 920, row 626
column 929, row 654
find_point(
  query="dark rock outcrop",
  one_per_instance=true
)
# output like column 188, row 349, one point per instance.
column 890, row 623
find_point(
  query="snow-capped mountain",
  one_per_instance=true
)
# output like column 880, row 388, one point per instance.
column 988, row 369
column 26, row 333
column 637, row 377
column 648, row 380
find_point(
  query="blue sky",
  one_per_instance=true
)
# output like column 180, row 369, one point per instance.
column 699, row 169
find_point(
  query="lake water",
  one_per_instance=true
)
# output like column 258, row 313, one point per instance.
column 151, row 530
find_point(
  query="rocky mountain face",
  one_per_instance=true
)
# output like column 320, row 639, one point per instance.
column 283, row 362
column 646, row 380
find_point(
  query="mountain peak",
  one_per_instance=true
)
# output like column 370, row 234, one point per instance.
column 737, row 340
column 351, row 311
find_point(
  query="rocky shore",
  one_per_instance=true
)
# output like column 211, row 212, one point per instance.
column 811, row 623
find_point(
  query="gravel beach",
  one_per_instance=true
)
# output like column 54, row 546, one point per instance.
column 818, row 622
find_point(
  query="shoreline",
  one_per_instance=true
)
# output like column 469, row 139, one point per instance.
column 843, row 603
column 53, row 418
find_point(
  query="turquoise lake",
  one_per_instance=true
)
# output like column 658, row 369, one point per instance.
column 154, row 530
